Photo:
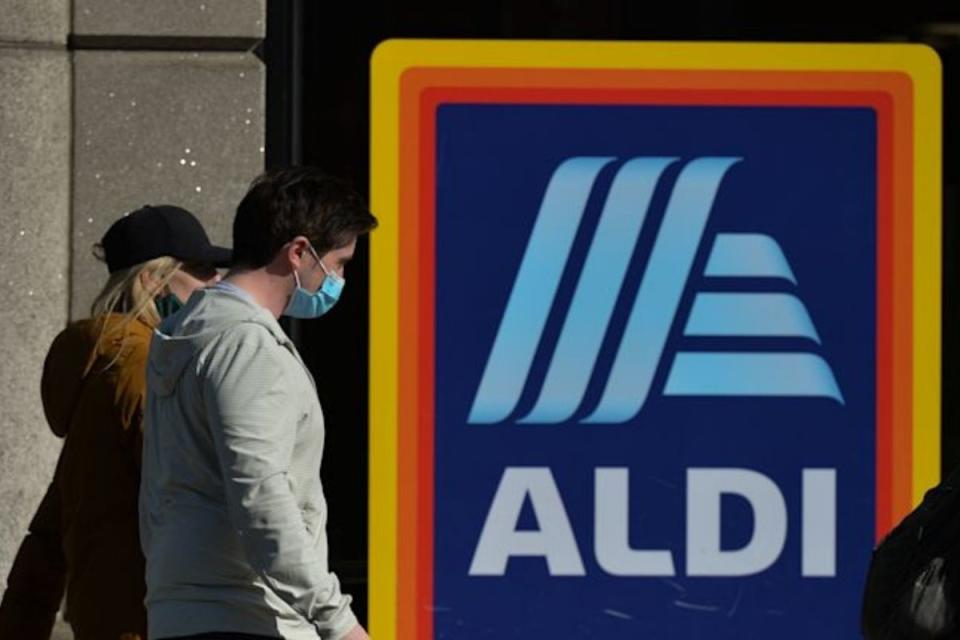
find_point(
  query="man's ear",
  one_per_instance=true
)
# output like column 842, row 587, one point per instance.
column 295, row 251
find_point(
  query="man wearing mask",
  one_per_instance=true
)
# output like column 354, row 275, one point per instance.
column 232, row 513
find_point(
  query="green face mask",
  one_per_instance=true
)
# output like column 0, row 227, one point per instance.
column 167, row 305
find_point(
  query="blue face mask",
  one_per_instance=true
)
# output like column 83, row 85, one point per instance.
column 306, row 305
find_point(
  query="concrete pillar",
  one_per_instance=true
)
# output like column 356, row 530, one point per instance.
column 138, row 102
column 169, row 108
column 154, row 127
column 201, row 19
column 35, row 84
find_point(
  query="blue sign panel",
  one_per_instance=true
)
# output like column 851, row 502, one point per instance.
column 655, row 391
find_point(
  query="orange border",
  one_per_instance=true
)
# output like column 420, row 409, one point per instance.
column 423, row 89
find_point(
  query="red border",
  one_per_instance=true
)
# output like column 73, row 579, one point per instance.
column 423, row 247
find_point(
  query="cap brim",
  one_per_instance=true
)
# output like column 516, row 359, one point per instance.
column 217, row 256
column 222, row 257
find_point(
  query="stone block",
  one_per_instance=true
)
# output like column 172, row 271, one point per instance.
column 34, row 21
column 34, row 272
column 158, row 127
column 186, row 18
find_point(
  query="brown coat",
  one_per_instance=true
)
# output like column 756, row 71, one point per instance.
column 85, row 534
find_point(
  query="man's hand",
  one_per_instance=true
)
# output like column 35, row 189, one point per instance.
column 357, row 633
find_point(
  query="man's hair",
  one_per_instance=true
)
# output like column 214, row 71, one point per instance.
column 282, row 204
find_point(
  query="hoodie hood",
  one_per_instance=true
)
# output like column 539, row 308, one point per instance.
column 206, row 316
column 82, row 350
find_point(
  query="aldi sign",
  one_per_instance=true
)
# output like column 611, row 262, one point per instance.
column 655, row 334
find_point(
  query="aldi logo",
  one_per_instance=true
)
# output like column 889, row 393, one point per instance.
column 654, row 334
column 654, row 310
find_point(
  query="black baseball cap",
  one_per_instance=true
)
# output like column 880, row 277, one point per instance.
column 162, row 230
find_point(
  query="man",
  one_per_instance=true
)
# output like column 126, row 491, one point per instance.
column 232, row 513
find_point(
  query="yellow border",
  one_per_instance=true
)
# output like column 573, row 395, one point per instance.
column 384, row 346
column 393, row 57
column 927, row 273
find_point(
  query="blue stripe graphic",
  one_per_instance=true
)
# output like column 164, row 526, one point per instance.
column 663, row 283
column 535, row 289
column 750, row 314
column 597, row 290
column 751, row 374
column 751, row 255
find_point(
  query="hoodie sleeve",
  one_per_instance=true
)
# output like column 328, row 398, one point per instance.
column 253, row 418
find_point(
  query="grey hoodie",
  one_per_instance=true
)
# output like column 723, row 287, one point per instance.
column 232, row 513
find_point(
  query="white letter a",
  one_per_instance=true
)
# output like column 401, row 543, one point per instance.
column 500, row 539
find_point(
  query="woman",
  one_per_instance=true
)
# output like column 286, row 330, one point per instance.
column 84, row 537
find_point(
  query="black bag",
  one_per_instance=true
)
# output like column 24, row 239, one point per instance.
column 913, row 586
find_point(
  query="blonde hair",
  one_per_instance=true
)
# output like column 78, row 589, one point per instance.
column 125, row 294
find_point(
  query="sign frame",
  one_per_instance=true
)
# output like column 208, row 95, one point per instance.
column 411, row 77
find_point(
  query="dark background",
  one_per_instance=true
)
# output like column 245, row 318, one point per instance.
column 317, row 56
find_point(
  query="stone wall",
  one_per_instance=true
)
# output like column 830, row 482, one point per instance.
column 105, row 105
column 35, row 166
